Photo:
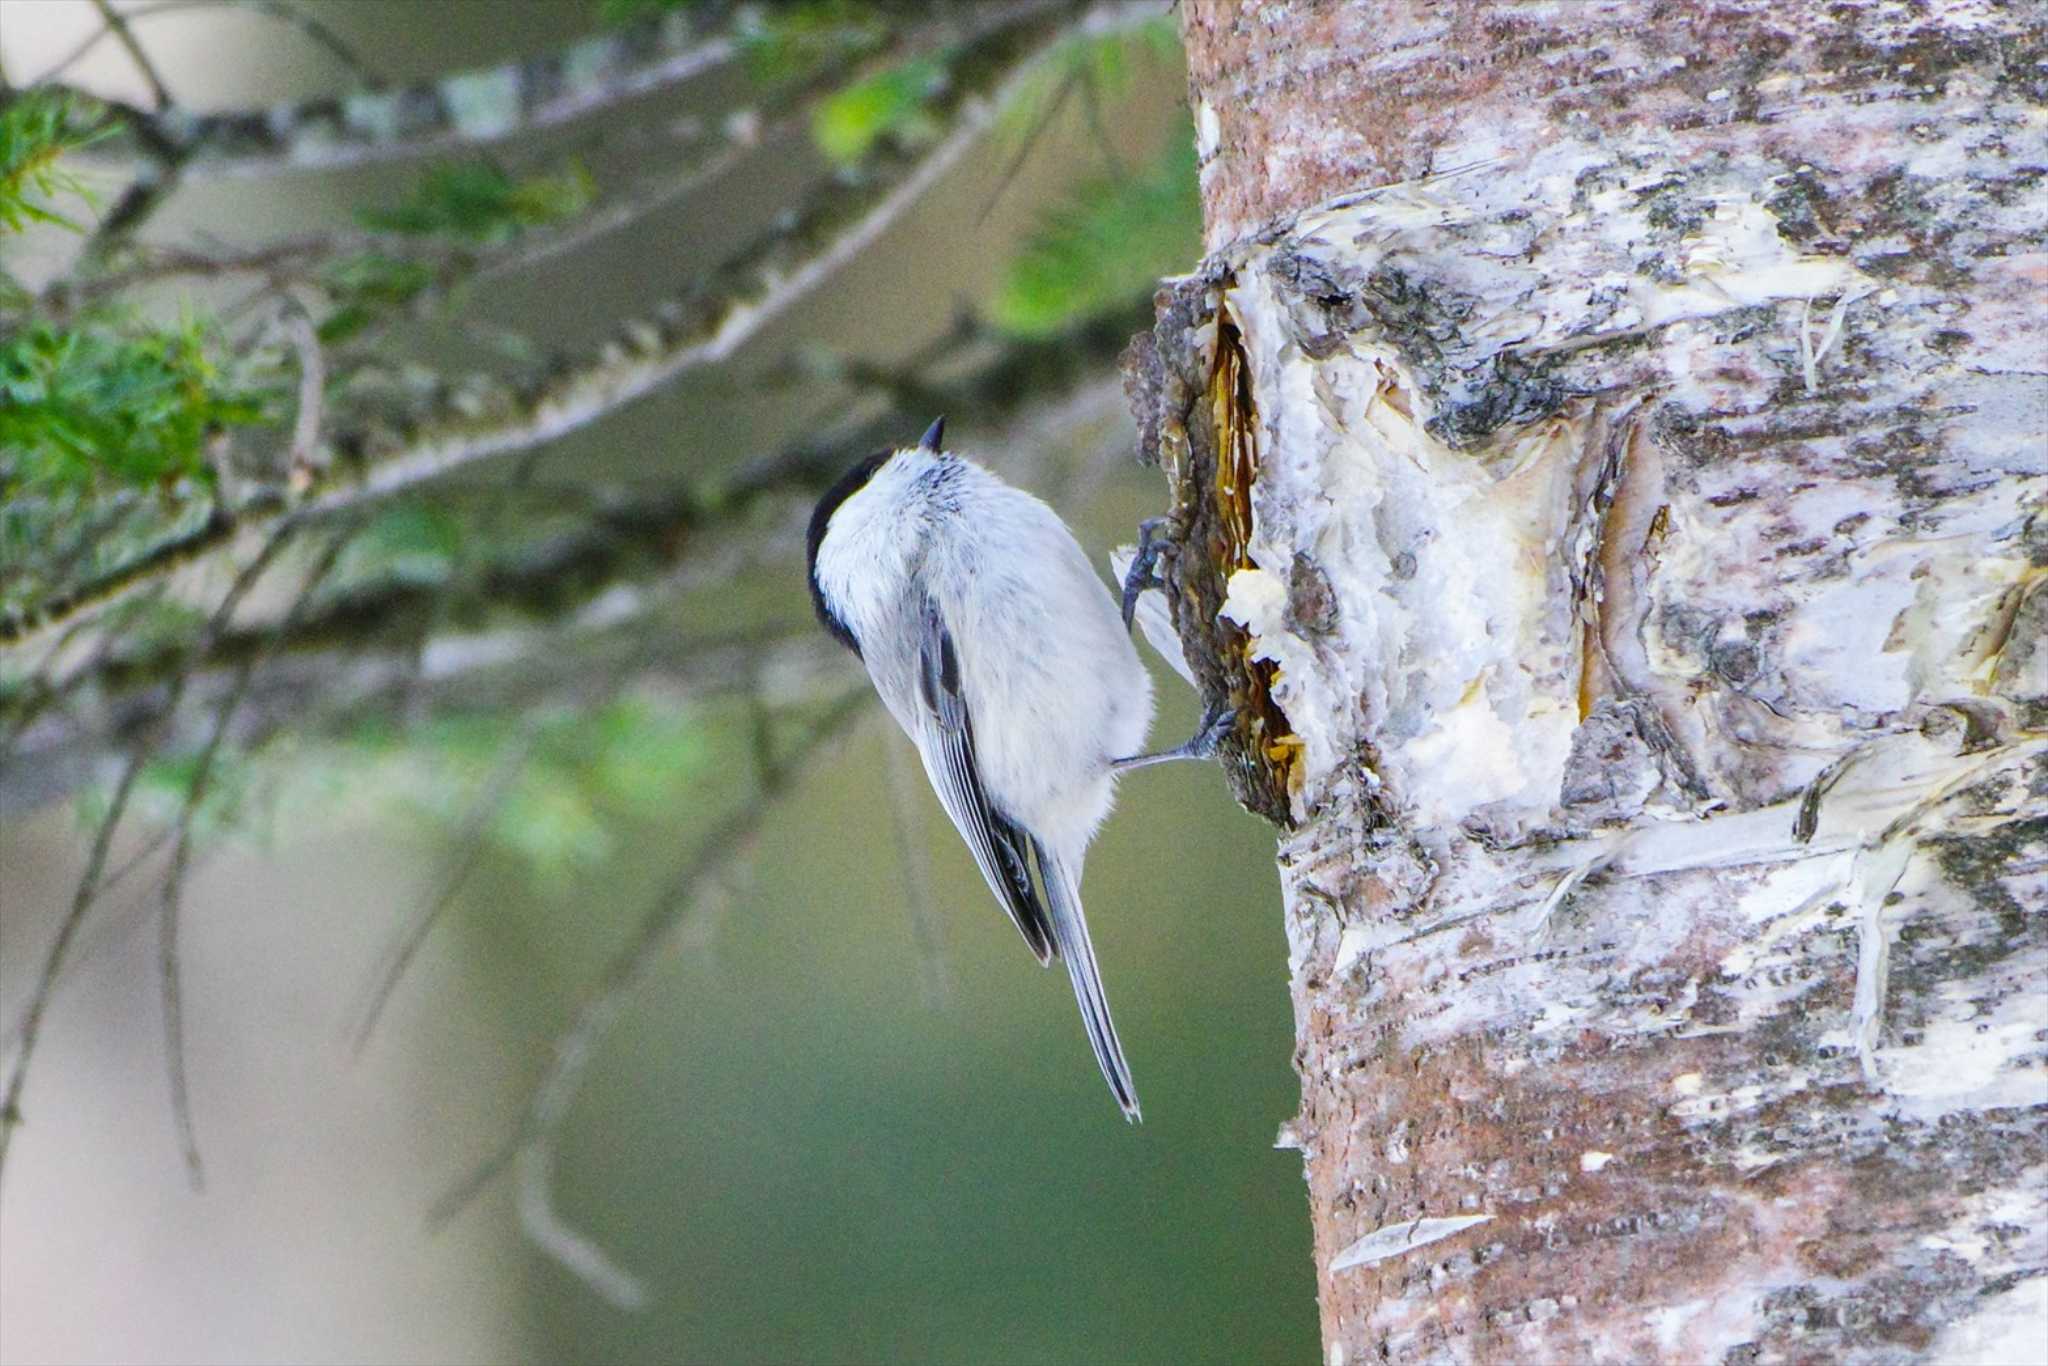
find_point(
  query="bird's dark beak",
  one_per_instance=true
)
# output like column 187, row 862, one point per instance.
column 933, row 435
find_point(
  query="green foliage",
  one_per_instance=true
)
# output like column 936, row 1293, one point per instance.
column 1106, row 62
column 800, row 40
column 474, row 204
column 887, row 104
column 1107, row 245
column 584, row 775
column 481, row 202
column 106, row 431
column 102, row 406
column 366, row 287
column 36, row 130
column 146, row 624
column 1109, row 59
column 412, row 541
column 52, row 542
column 164, row 787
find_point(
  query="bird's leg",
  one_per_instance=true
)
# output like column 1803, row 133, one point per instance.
column 1152, row 541
column 1208, row 736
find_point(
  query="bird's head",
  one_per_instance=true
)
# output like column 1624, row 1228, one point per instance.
column 843, row 501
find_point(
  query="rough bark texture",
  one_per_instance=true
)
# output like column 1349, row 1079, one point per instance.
column 1607, row 449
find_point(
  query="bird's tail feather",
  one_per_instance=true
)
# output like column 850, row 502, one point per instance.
column 1070, row 936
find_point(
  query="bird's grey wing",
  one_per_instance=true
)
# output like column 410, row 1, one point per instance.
column 997, row 844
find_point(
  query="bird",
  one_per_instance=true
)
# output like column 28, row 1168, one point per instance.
column 1005, row 659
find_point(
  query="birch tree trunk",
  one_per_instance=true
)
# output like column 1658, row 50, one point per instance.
column 1606, row 447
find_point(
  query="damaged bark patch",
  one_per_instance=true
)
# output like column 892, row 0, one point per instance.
column 1270, row 744
column 1473, row 392
column 1191, row 393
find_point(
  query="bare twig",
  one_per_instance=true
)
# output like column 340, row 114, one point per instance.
column 102, row 935
column 117, row 24
column 305, row 457
column 1091, row 103
column 173, row 891
column 469, row 841
column 88, row 883
column 153, row 262
column 53, row 963
column 925, row 929
column 713, row 664
column 533, row 1145
column 1023, row 153
column 279, row 10
column 152, row 184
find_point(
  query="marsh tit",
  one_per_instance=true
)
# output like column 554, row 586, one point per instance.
column 1006, row 661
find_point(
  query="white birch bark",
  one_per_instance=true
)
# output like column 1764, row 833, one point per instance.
column 1621, row 536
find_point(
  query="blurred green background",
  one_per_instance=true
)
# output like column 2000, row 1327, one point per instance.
column 823, row 1129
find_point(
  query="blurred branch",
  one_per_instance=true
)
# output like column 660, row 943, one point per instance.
column 116, row 23
column 88, row 883
column 146, row 192
column 533, row 1146
column 149, row 567
column 905, row 812
column 624, row 541
column 173, row 889
column 715, row 314
column 468, row 108
column 713, row 147
column 1025, row 148
column 153, row 262
column 312, row 393
column 704, row 151
column 86, row 949
column 704, row 325
column 305, row 702
column 279, row 10
column 469, row 845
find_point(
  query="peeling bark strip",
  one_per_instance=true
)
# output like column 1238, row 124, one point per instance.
column 1188, row 381
column 1647, row 558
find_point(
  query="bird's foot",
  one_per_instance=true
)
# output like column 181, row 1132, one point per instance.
column 1207, row 739
column 1143, row 573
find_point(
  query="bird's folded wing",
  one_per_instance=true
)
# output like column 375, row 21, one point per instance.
column 997, row 844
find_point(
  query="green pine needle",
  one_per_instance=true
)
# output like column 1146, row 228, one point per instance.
column 101, row 407
column 36, row 130
column 481, row 202
column 1107, row 245
column 889, row 103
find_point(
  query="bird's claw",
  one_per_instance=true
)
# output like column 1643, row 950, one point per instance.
column 1143, row 573
column 1219, row 721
